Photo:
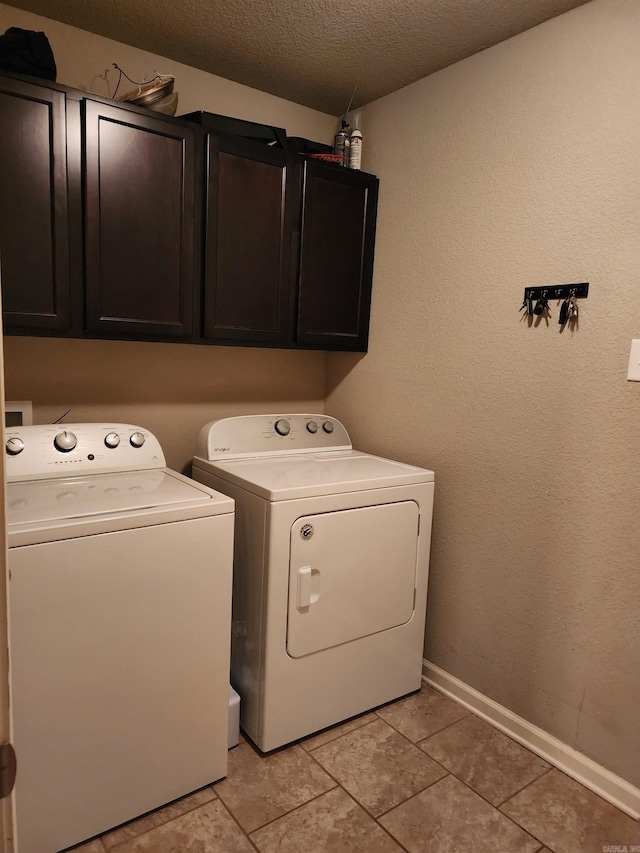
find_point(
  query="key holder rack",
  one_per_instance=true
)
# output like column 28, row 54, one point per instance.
column 569, row 309
column 558, row 291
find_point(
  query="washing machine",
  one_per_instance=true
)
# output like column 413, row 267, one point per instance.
column 119, row 624
column 330, row 571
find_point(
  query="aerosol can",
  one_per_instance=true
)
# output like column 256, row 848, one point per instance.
column 342, row 143
column 355, row 150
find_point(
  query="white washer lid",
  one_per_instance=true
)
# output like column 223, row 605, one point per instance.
column 313, row 474
column 99, row 500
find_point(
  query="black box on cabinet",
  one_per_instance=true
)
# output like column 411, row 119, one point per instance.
column 264, row 133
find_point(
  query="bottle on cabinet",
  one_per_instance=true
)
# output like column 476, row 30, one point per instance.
column 342, row 143
column 355, row 150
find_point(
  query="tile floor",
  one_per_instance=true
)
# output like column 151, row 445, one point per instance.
column 421, row 775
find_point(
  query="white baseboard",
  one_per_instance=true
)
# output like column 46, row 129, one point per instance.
column 610, row 787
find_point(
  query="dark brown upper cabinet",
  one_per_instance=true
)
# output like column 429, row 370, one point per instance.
column 139, row 176
column 288, row 248
column 34, row 227
column 335, row 256
column 247, row 242
column 116, row 222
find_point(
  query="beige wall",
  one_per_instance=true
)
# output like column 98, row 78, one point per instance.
column 519, row 166
column 171, row 389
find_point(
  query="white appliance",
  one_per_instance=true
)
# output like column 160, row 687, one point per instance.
column 119, row 625
column 330, row 571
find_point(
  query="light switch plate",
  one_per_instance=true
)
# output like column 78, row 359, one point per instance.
column 634, row 361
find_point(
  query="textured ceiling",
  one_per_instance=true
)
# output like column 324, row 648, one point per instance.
column 310, row 53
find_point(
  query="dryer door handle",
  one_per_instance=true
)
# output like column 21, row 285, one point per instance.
column 304, row 587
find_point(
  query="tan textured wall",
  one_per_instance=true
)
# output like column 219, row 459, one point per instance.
column 519, row 166
column 82, row 57
column 169, row 388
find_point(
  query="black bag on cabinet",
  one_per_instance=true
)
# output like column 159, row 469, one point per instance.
column 27, row 52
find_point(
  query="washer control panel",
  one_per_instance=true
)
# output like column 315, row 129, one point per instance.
column 44, row 451
column 271, row 435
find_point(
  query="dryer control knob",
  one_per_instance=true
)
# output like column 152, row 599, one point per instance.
column 327, row 426
column 15, row 446
column 312, row 427
column 112, row 439
column 137, row 439
column 65, row 441
column 282, row 427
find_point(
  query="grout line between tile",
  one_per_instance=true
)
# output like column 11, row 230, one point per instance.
column 290, row 811
column 442, row 766
column 426, row 787
column 498, row 806
column 324, row 769
column 353, row 797
column 232, row 816
column 337, row 737
column 431, row 734
column 491, row 805
column 524, row 787
column 430, row 757
column 337, row 786
column 515, row 823
column 169, row 820
column 384, row 829
column 515, row 820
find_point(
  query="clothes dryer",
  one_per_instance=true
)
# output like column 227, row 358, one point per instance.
column 119, row 626
column 330, row 571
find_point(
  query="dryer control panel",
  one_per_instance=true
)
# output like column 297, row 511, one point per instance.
column 45, row 451
column 271, row 435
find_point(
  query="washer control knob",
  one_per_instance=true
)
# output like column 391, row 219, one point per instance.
column 282, row 427
column 312, row 427
column 15, row 446
column 65, row 441
column 137, row 439
column 327, row 426
column 112, row 439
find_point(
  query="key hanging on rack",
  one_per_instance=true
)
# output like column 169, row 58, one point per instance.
column 564, row 312
column 542, row 306
column 527, row 306
column 569, row 311
column 573, row 309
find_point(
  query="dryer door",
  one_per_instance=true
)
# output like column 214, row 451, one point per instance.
column 352, row 573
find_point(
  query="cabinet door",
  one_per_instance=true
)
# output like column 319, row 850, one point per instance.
column 139, row 215
column 336, row 256
column 34, row 229
column 246, row 291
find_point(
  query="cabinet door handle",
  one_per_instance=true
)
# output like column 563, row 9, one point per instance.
column 304, row 587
